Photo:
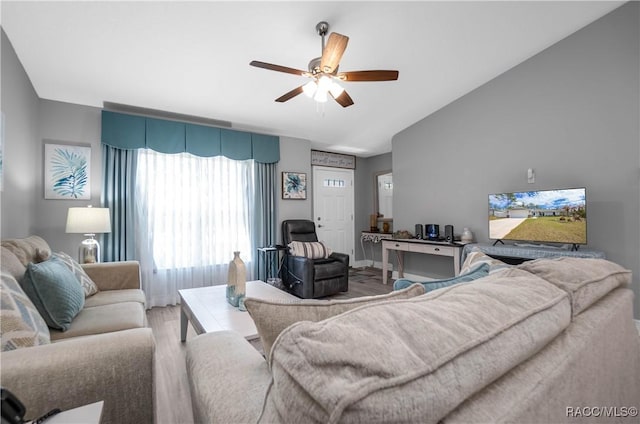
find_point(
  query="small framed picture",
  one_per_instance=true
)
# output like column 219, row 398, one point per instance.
column 294, row 185
column 67, row 172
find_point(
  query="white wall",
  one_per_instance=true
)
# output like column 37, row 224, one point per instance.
column 571, row 113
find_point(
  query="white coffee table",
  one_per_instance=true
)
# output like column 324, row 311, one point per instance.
column 208, row 310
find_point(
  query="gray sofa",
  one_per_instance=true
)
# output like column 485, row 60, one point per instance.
column 545, row 341
column 106, row 354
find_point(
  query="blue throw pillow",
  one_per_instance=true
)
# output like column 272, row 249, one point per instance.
column 55, row 292
column 481, row 271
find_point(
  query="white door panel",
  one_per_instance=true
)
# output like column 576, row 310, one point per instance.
column 333, row 205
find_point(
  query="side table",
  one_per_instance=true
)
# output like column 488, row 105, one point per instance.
column 270, row 261
column 87, row 414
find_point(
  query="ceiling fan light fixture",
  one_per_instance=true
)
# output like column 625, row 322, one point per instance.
column 310, row 88
column 320, row 96
column 323, row 72
column 335, row 89
column 324, row 83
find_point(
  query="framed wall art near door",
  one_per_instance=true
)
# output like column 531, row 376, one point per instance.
column 67, row 172
column 294, row 185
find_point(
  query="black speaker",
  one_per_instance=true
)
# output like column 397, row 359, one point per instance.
column 433, row 231
column 448, row 233
column 419, row 231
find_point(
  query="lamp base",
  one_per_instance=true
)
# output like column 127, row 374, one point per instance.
column 89, row 250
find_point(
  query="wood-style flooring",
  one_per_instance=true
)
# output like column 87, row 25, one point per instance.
column 173, row 398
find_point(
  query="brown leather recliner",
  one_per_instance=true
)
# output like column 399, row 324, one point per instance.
column 311, row 278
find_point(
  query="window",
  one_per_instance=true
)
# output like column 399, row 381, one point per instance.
column 193, row 211
column 330, row 182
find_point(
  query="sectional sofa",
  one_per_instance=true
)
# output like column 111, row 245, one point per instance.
column 105, row 353
column 551, row 340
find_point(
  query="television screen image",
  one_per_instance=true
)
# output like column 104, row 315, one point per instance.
column 550, row 216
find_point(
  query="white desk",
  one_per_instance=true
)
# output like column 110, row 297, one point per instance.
column 373, row 238
column 418, row 246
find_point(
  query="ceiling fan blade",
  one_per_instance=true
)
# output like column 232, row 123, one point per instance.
column 278, row 68
column 343, row 99
column 290, row 95
column 354, row 76
column 333, row 52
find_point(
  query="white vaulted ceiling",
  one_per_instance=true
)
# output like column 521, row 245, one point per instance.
column 193, row 57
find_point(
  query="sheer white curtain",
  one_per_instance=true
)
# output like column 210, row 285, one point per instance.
column 193, row 213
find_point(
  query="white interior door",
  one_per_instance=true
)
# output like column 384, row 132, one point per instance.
column 333, row 205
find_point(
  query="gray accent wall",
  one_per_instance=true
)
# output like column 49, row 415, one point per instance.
column 365, row 186
column 571, row 113
column 20, row 149
column 67, row 123
column 295, row 156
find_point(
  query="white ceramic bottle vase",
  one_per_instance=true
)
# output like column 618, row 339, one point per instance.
column 237, row 281
column 467, row 235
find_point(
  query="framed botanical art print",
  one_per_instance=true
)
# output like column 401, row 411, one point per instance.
column 67, row 172
column 294, row 185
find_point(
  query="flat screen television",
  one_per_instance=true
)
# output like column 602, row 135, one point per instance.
column 541, row 216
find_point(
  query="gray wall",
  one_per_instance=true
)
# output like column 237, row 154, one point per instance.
column 295, row 156
column 571, row 113
column 67, row 124
column 365, row 184
column 20, row 149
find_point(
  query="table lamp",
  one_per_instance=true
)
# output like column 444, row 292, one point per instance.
column 88, row 221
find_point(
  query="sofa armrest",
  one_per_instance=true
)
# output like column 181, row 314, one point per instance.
column 115, row 367
column 228, row 378
column 114, row 275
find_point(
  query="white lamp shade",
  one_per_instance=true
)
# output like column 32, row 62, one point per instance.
column 310, row 88
column 88, row 220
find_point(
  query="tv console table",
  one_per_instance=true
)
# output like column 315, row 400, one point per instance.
column 418, row 246
column 513, row 254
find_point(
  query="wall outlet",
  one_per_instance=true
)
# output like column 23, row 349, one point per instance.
column 531, row 176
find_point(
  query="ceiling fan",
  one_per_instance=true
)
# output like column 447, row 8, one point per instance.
column 324, row 74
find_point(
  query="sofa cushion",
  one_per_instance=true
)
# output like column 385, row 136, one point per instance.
column 476, row 257
column 88, row 286
column 273, row 316
column 108, row 297
column 480, row 270
column 104, row 319
column 55, row 292
column 20, row 323
column 28, row 249
column 585, row 279
column 309, row 249
column 412, row 360
column 11, row 264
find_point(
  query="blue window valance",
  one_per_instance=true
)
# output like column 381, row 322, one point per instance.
column 138, row 132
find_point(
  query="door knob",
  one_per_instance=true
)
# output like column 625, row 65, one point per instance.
column 319, row 226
